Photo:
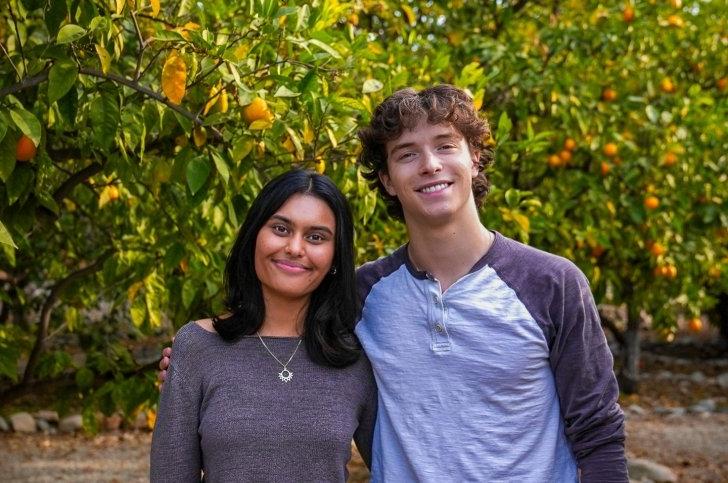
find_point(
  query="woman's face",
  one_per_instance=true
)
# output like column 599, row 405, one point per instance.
column 294, row 249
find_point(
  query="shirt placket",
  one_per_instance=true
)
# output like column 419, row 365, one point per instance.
column 437, row 314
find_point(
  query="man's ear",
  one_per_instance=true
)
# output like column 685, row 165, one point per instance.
column 387, row 182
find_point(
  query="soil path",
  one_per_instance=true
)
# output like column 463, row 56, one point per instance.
column 694, row 446
column 660, row 427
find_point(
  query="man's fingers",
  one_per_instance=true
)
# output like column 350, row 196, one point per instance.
column 164, row 363
column 167, row 352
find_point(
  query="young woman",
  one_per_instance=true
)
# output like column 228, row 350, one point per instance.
column 276, row 388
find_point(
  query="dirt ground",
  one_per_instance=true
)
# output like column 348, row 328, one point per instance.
column 693, row 445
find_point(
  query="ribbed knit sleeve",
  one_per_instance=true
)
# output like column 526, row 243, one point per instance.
column 364, row 434
column 176, row 455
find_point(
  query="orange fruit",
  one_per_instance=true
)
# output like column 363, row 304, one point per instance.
column 605, row 168
column 610, row 150
column 714, row 271
column 667, row 86
column 555, row 161
column 675, row 21
column 113, row 193
column 256, row 110
column 695, row 324
column 722, row 83
column 565, row 155
column 651, row 202
column 609, row 94
column 671, row 271
column 657, row 249
column 597, row 251
column 628, row 13
column 184, row 265
column 353, row 19
column 25, row 149
column 676, row 3
column 569, row 144
column 669, row 159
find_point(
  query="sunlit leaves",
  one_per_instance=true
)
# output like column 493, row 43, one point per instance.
column 61, row 79
column 70, row 33
column 174, row 77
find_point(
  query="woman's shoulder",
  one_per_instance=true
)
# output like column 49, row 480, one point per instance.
column 192, row 337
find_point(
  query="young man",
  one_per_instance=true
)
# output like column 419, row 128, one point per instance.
column 489, row 356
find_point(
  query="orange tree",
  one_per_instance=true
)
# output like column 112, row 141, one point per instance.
column 616, row 151
column 134, row 134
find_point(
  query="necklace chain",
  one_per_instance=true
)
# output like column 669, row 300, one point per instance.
column 285, row 375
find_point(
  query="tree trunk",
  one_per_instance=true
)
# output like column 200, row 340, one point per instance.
column 630, row 373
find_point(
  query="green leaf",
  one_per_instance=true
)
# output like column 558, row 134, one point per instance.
column 5, row 237
column 504, row 128
column 7, row 155
column 189, row 291
column 55, row 15
column 19, row 183
column 61, row 78
column 3, row 126
column 512, row 197
column 68, row 106
column 169, row 36
column 27, row 123
column 197, row 172
column 325, row 47
column 652, row 113
column 104, row 115
column 371, row 85
column 70, row 33
column 284, row 91
column 221, row 166
column 84, row 377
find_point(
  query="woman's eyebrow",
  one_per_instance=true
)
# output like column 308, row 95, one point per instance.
column 312, row 227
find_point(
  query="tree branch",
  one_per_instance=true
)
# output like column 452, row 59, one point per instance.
column 25, row 84
column 150, row 93
column 49, row 304
column 612, row 326
column 75, row 179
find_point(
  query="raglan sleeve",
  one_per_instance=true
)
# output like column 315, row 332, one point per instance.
column 364, row 434
column 176, row 455
column 583, row 369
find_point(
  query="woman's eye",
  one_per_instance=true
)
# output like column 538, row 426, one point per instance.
column 316, row 237
column 279, row 229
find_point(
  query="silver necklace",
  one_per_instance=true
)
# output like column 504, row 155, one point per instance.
column 285, row 375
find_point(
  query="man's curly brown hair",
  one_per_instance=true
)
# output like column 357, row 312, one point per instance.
column 403, row 110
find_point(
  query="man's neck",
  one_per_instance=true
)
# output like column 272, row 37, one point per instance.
column 448, row 252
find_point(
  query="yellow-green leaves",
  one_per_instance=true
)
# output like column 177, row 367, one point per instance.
column 174, row 77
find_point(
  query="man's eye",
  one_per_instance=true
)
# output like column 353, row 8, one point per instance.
column 406, row 156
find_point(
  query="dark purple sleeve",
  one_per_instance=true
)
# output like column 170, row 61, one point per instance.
column 364, row 434
column 557, row 295
column 584, row 373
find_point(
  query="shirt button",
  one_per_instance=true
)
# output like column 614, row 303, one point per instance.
column 436, row 299
column 439, row 328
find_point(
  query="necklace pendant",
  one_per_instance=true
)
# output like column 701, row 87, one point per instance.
column 285, row 375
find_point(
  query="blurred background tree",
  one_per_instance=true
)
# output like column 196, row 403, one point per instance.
column 135, row 133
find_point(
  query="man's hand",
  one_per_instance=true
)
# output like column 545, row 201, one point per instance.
column 163, row 365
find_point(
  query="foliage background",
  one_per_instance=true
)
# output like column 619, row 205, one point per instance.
column 149, row 154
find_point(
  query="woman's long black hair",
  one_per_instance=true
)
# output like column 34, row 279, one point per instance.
column 328, row 330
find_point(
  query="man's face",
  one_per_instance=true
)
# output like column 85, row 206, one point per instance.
column 430, row 170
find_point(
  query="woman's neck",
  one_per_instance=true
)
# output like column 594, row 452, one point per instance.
column 284, row 317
